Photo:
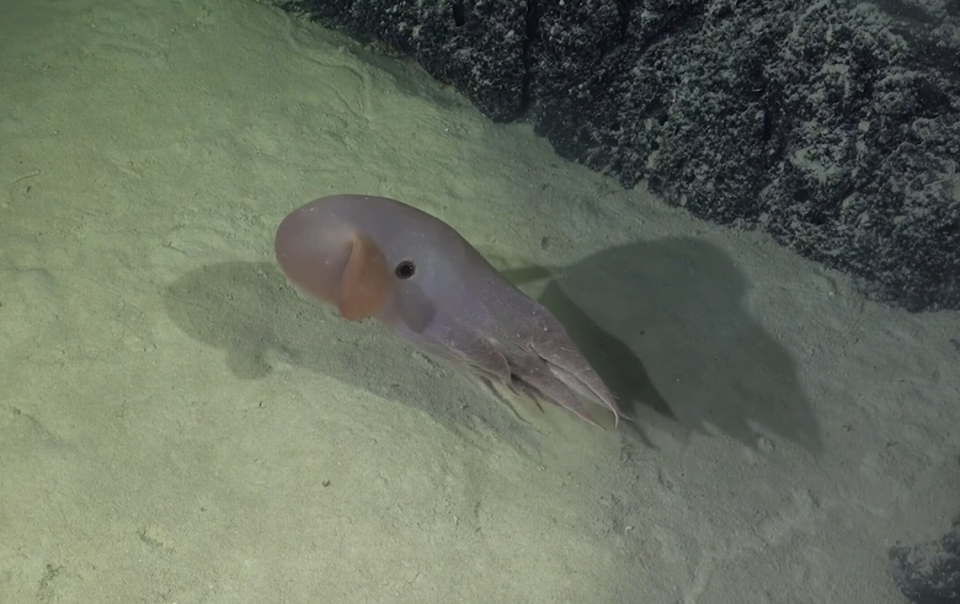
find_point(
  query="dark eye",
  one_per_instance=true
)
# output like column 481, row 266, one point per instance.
column 405, row 270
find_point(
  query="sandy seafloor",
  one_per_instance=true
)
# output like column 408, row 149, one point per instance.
column 178, row 425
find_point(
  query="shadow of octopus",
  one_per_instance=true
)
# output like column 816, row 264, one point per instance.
column 678, row 304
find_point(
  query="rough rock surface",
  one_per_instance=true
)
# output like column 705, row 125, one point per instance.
column 832, row 125
column 929, row 573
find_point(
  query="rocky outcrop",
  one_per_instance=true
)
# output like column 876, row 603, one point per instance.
column 833, row 126
column 929, row 573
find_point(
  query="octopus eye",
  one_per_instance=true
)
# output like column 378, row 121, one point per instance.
column 405, row 269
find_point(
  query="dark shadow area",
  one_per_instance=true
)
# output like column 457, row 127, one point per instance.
column 676, row 304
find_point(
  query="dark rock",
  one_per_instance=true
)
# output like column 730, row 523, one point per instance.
column 835, row 127
column 929, row 573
